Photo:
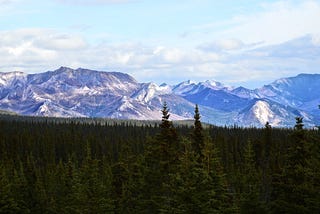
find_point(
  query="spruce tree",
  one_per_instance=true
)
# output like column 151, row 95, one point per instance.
column 294, row 189
column 266, row 169
column 197, row 134
column 96, row 193
column 20, row 188
column 8, row 203
column 214, row 186
column 161, row 157
column 168, row 140
column 192, row 184
column 168, row 133
column 127, row 180
column 152, row 177
column 299, row 123
column 250, row 195
column 90, row 194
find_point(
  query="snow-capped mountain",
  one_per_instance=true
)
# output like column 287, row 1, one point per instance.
column 87, row 93
column 188, row 87
column 245, row 93
column 293, row 91
column 260, row 111
column 79, row 93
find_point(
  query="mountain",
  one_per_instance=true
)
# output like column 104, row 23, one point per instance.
column 66, row 92
column 278, row 103
column 245, row 93
column 260, row 111
column 78, row 93
column 293, row 91
column 189, row 87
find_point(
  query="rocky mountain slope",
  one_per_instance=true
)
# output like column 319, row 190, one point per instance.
column 66, row 92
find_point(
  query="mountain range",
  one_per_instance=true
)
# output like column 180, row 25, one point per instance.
column 66, row 92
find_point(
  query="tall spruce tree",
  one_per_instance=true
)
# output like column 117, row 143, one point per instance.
column 197, row 133
column 168, row 132
column 161, row 158
column 168, row 139
column 194, row 187
column 266, row 169
column 295, row 191
column 214, row 191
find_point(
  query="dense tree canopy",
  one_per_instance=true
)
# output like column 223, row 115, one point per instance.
column 75, row 166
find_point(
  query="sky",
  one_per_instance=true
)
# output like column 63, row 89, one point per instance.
column 244, row 42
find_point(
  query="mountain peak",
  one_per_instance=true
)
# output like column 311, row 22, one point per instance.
column 213, row 83
column 68, row 92
column 63, row 69
column 8, row 77
column 12, row 74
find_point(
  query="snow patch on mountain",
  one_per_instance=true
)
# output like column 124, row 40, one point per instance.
column 189, row 87
column 148, row 91
column 66, row 92
column 262, row 112
column 10, row 78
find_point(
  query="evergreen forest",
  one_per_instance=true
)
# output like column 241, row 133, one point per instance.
column 70, row 166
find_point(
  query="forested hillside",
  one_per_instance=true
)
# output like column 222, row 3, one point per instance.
column 69, row 166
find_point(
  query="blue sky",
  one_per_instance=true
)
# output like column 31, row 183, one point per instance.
column 235, row 42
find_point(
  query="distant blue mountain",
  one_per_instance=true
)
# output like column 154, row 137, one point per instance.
column 66, row 92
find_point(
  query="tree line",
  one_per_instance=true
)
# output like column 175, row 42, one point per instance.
column 99, row 167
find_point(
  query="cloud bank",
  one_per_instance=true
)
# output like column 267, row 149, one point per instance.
column 36, row 50
column 278, row 22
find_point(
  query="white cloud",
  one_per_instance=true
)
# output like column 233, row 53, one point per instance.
column 275, row 23
column 6, row 7
column 40, row 38
column 5, row 2
column 60, row 42
column 285, row 21
column 265, row 64
column 222, row 45
column 38, row 50
column 316, row 39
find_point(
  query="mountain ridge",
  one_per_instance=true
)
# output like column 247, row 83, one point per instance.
column 67, row 92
